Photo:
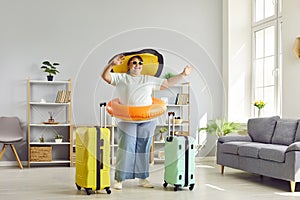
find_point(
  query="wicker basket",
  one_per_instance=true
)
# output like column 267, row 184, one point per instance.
column 41, row 153
column 183, row 133
column 176, row 121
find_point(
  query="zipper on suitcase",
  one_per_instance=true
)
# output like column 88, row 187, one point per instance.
column 98, row 158
column 186, row 181
column 100, row 143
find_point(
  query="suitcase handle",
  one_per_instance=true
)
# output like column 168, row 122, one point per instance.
column 103, row 104
column 169, row 124
column 103, row 113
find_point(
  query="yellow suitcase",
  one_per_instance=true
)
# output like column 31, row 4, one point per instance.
column 92, row 159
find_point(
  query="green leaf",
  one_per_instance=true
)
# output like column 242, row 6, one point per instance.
column 50, row 68
column 47, row 63
column 220, row 127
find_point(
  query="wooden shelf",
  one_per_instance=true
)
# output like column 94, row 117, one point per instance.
column 50, row 82
column 177, row 105
column 48, row 143
column 181, row 124
column 49, row 125
column 48, row 104
column 38, row 111
column 51, row 162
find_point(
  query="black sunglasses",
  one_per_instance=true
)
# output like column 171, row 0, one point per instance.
column 135, row 62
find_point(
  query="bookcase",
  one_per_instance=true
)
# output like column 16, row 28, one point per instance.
column 49, row 113
column 177, row 100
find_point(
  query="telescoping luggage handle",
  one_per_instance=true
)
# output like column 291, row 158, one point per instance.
column 169, row 124
column 103, row 114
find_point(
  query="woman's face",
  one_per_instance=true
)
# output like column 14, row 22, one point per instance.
column 135, row 67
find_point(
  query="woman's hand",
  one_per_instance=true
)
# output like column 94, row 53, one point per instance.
column 118, row 60
column 175, row 79
column 187, row 70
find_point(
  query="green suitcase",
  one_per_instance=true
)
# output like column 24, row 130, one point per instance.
column 179, row 160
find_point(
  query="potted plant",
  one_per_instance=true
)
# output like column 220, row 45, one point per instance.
column 58, row 138
column 50, row 68
column 259, row 104
column 162, row 130
column 221, row 127
column 42, row 139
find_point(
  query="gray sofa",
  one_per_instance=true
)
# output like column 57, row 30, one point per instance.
column 271, row 148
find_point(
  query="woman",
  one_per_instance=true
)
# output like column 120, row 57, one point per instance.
column 135, row 138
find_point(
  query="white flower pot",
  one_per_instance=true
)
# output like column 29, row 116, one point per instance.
column 58, row 140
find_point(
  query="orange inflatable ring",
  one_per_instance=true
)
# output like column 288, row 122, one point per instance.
column 136, row 113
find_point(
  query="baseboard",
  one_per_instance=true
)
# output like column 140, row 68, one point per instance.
column 12, row 163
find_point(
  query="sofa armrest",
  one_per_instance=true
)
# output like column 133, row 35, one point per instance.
column 294, row 147
column 230, row 138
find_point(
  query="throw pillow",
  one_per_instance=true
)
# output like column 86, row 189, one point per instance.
column 262, row 129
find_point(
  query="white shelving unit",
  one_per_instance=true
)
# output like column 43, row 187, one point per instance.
column 41, row 99
column 181, row 110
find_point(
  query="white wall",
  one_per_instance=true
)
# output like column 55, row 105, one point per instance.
column 83, row 35
column 291, row 64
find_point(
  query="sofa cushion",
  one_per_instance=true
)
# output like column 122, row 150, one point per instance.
column 230, row 147
column 273, row 152
column 262, row 129
column 250, row 149
column 235, row 138
column 285, row 131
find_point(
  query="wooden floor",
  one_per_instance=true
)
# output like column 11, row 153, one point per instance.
column 58, row 183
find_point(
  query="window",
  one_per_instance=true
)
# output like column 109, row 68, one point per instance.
column 266, row 32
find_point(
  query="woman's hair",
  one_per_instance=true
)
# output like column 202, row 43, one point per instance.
column 130, row 59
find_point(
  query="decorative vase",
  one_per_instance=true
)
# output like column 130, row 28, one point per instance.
column 161, row 138
column 258, row 113
column 220, row 134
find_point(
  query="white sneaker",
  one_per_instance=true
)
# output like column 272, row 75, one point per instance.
column 118, row 185
column 145, row 183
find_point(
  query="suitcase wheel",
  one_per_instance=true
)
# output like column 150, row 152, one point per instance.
column 78, row 187
column 191, row 187
column 165, row 184
column 88, row 191
column 108, row 191
column 176, row 188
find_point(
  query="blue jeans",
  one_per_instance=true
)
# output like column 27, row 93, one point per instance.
column 135, row 141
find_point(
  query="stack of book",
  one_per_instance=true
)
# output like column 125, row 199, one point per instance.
column 182, row 99
column 63, row 96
